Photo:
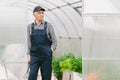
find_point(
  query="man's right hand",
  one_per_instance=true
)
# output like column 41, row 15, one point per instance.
column 28, row 58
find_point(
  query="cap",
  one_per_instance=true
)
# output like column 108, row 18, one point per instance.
column 38, row 8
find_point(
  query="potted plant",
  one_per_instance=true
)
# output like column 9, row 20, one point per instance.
column 66, row 63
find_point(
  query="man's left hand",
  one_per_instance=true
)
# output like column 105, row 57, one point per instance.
column 52, row 49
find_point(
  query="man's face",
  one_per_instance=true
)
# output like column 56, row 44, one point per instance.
column 39, row 15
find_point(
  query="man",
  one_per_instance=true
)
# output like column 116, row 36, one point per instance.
column 41, row 44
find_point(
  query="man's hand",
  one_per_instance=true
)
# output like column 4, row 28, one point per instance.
column 28, row 58
column 52, row 49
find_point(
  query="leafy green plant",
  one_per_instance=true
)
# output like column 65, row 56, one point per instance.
column 56, row 68
column 77, row 65
column 66, row 62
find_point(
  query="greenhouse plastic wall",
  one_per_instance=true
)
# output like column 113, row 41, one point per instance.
column 101, row 40
column 13, row 25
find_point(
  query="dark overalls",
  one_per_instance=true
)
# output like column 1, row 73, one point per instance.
column 41, row 54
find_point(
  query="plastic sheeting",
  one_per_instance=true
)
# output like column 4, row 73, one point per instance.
column 102, row 37
column 13, row 19
column 14, row 62
column 101, row 7
column 101, row 41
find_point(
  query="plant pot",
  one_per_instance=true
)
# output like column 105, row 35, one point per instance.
column 70, row 75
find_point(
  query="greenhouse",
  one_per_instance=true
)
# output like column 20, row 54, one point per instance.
column 87, row 33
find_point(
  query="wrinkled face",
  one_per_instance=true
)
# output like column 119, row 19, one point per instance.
column 39, row 15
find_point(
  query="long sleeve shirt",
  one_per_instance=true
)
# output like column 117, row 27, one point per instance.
column 50, row 34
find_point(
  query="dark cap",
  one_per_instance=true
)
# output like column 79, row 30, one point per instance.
column 38, row 8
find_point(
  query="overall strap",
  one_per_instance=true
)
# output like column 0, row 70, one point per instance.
column 32, row 26
column 45, row 25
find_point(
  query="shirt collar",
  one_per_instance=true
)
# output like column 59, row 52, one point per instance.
column 36, row 23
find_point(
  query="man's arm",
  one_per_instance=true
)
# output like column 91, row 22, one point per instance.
column 28, row 40
column 53, row 37
column 28, row 44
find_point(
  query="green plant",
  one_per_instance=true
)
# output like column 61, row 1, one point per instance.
column 66, row 62
column 56, row 68
column 72, row 64
column 77, row 65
